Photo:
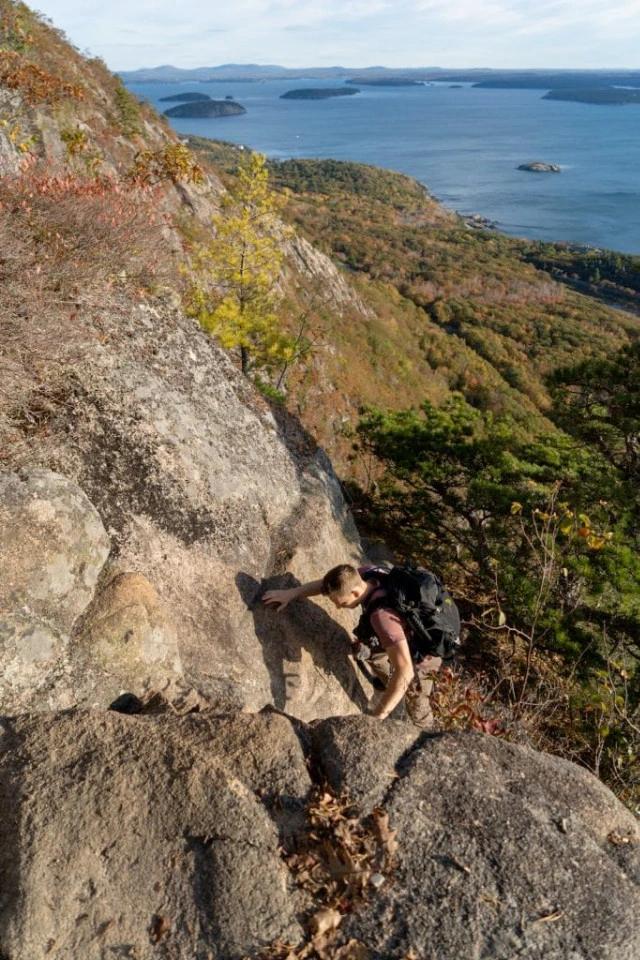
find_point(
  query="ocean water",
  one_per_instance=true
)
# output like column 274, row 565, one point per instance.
column 463, row 144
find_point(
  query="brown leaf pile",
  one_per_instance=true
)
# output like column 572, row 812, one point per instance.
column 343, row 851
column 343, row 860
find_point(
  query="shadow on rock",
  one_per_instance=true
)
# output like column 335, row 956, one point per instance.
column 302, row 647
column 310, row 459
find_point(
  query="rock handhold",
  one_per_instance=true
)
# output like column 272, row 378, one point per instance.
column 127, row 624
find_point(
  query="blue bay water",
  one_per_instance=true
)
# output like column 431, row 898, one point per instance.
column 463, row 144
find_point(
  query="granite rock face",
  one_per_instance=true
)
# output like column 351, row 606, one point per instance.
column 208, row 497
column 146, row 837
column 163, row 836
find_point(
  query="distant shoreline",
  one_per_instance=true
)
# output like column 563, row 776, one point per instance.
column 523, row 204
column 603, row 96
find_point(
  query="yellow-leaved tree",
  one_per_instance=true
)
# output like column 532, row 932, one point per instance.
column 236, row 293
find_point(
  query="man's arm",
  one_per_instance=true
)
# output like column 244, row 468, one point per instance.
column 401, row 676
column 280, row 598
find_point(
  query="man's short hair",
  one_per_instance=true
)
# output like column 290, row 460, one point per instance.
column 340, row 579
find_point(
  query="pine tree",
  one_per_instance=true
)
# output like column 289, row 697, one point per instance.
column 239, row 270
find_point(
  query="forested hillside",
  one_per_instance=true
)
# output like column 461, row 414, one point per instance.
column 452, row 308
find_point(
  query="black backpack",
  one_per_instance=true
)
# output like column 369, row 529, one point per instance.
column 425, row 605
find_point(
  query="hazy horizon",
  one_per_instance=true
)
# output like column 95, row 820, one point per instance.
column 553, row 35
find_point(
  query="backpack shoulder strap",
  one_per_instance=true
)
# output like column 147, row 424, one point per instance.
column 374, row 571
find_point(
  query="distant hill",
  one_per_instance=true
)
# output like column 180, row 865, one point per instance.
column 387, row 81
column 564, row 80
column 247, row 71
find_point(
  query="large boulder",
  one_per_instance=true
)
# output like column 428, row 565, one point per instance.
column 504, row 852
column 210, row 496
column 145, row 837
column 158, row 836
column 69, row 633
column 53, row 547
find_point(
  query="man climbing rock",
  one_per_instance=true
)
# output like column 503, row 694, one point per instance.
column 398, row 654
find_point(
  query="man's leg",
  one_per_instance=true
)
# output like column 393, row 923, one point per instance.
column 380, row 666
column 419, row 693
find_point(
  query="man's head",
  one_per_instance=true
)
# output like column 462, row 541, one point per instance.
column 344, row 586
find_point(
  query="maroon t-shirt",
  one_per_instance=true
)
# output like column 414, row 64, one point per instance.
column 388, row 625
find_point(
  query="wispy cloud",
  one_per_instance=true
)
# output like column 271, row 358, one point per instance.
column 545, row 16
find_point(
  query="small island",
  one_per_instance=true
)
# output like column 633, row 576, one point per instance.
column 538, row 166
column 206, row 108
column 319, row 93
column 615, row 96
column 188, row 95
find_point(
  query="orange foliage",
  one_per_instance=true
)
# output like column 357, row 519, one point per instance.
column 35, row 84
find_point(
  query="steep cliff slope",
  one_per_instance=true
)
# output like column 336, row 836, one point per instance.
column 175, row 492
column 202, row 492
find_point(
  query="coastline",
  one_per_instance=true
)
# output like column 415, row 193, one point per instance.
column 467, row 154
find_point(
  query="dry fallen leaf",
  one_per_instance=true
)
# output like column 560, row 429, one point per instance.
column 324, row 946
column 387, row 836
column 280, row 950
column 551, row 917
column 325, row 920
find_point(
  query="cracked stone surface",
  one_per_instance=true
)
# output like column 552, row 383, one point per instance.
column 115, row 827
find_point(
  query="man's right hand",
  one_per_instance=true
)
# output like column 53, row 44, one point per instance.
column 279, row 598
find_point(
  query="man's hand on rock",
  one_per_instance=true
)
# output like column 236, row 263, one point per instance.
column 279, row 598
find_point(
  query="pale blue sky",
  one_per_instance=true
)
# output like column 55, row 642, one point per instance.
column 354, row 33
